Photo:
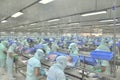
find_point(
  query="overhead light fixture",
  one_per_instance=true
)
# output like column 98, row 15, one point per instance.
column 94, row 13
column 33, row 24
column 45, row 1
column 4, row 21
column 3, row 32
column 21, row 26
column 29, row 29
column 53, row 26
column 118, row 24
column 73, row 24
column 12, row 32
column 38, row 28
column 109, row 20
column 53, row 20
column 28, row 32
column 17, row 14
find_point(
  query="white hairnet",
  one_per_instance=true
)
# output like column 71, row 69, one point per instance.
column 103, row 46
column 61, row 61
column 111, row 43
column 13, row 46
column 4, row 43
column 39, row 54
column 46, row 46
column 72, row 45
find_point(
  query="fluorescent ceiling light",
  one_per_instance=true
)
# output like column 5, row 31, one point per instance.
column 3, row 32
column 13, row 28
column 53, row 26
column 12, row 32
column 17, row 14
column 118, row 24
column 33, row 24
column 73, row 24
column 29, row 29
column 53, row 20
column 4, row 21
column 28, row 32
column 45, row 1
column 110, row 20
column 94, row 13
column 21, row 26
column 37, row 28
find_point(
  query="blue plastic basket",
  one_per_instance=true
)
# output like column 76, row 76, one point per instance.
column 118, row 44
column 96, row 43
column 68, row 42
column 50, row 53
column 29, row 40
column 88, row 60
column 30, row 50
column 61, row 54
column 60, row 43
column 74, row 58
column 80, row 43
column 57, row 53
column 39, row 46
column 103, row 55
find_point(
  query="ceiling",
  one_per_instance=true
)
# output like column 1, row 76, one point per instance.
column 68, row 11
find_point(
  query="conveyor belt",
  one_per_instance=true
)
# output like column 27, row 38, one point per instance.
column 71, row 72
column 22, row 70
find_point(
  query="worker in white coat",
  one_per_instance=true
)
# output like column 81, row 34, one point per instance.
column 104, row 64
column 3, row 54
column 9, row 61
column 73, row 49
column 56, row 72
column 34, row 65
column 54, row 47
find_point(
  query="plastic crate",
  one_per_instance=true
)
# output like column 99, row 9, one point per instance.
column 30, row 50
column 118, row 44
column 62, row 54
column 80, row 43
column 60, row 43
column 39, row 46
column 96, row 43
column 103, row 55
column 52, row 53
column 56, row 53
column 88, row 60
